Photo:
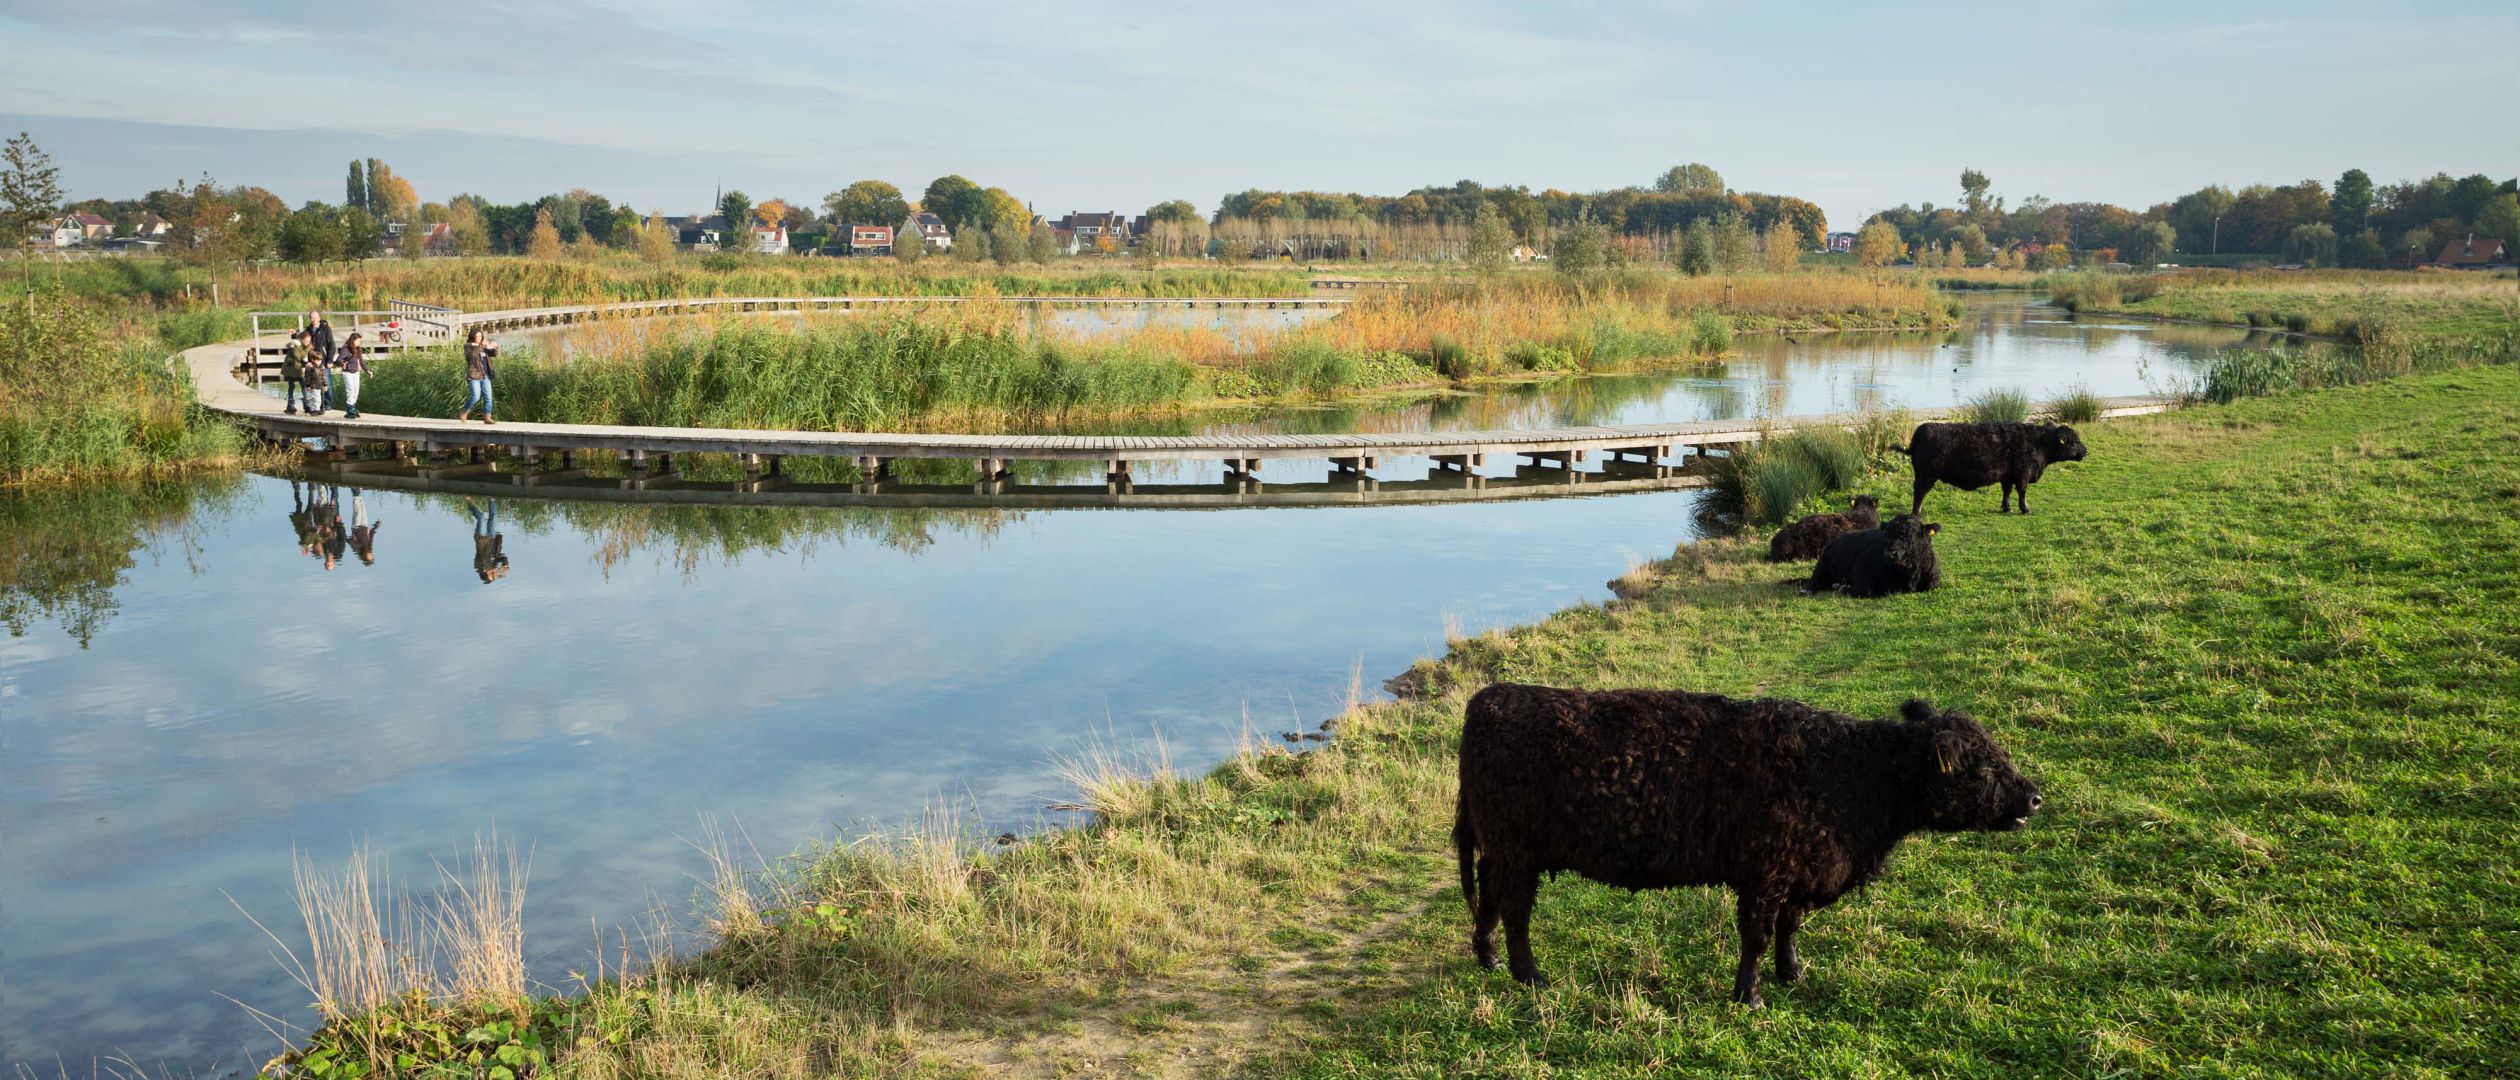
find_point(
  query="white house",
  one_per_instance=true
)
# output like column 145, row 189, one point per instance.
column 770, row 239
column 931, row 228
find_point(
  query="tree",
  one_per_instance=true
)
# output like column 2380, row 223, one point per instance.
column 1689, row 179
column 770, row 212
column 2349, row 209
column 737, row 207
column 1733, row 244
column 1697, row 248
column 360, row 233
column 626, row 228
column 957, row 201
column 468, row 232
column 30, row 188
column 355, row 192
column 909, row 246
column 1780, row 246
column 1042, row 244
column 1581, row 249
column 998, row 207
column 545, row 242
column 2500, row 219
column 656, row 239
column 2311, row 245
column 1009, row 242
column 1491, row 241
column 2199, row 215
column 971, row 244
column 1877, row 244
column 311, row 235
column 2151, row 242
column 1174, row 212
column 1973, row 188
column 867, row 202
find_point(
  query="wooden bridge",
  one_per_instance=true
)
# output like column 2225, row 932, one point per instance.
column 221, row 373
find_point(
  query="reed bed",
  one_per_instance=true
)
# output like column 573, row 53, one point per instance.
column 83, row 394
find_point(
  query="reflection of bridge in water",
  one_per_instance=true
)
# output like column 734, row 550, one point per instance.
column 600, row 461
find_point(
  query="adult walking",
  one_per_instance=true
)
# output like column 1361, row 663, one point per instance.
column 362, row 530
column 490, row 561
column 352, row 360
column 479, row 351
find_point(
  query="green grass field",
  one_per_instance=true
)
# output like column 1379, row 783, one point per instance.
column 2261, row 658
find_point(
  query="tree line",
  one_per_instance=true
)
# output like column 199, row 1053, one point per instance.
column 2354, row 223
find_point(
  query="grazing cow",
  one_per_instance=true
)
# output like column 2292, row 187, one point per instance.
column 1804, row 539
column 1971, row 456
column 1895, row 558
column 1790, row 806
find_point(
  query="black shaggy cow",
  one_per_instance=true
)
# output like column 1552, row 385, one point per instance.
column 1790, row 806
column 1971, row 456
column 1895, row 558
column 1804, row 539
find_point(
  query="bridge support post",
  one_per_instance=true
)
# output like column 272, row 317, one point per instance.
column 991, row 469
column 871, row 467
column 1116, row 470
column 1242, row 468
column 1460, row 462
column 775, row 460
column 1351, row 466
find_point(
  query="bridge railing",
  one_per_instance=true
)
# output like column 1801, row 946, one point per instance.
column 416, row 325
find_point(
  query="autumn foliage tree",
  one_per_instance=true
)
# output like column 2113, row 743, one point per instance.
column 1877, row 244
column 544, row 242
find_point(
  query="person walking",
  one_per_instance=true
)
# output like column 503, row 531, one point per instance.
column 352, row 360
column 479, row 350
column 319, row 342
column 293, row 372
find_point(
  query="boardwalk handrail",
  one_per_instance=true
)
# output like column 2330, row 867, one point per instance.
column 1650, row 446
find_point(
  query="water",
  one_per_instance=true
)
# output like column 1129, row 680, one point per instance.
column 804, row 672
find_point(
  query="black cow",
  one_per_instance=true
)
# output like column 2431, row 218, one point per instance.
column 1790, row 806
column 1804, row 539
column 1895, row 558
column 1971, row 456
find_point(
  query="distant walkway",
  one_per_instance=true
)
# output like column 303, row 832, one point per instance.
column 1627, row 452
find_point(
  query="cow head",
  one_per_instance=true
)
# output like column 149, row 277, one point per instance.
column 2061, row 444
column 1867, row 506
column 1970, row 782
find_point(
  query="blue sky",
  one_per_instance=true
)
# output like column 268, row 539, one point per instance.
column 1118, row 105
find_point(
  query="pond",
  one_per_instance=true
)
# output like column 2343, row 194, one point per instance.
column 204, row 678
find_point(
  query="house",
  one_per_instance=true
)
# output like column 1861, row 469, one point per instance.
column 63, row 232
column 151, row 227
column 930, row 228
column 698, row 232
column 770, row 239
column 1841, row 241
column 1091, row 229
column 2475, row 254
column 1523, row 253
column 92, row 226
column 870, row 239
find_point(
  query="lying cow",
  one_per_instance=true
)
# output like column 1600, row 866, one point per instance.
column 1804, row 539
column 1790, row 806
column 1971, row 456
column 1895, row 558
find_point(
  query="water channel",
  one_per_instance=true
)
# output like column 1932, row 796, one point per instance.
column 189, row 694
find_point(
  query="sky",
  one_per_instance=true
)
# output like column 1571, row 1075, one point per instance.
column 1115, row 106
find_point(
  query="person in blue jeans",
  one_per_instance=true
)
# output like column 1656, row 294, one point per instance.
column 490, row 561
column 479, row 350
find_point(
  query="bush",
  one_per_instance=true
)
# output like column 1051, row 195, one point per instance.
column 2078, row 406
column 1997, row 407
column 1448, row 358
column 1710, row 333
column 1836, row 457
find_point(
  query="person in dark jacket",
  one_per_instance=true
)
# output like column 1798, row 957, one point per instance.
column 319, row 342
column 362, row 530
column 293, row 372
column 351, row 361
column 479, row 350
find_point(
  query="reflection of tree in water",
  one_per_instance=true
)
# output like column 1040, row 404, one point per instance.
column 64, row 552
column 688, row 537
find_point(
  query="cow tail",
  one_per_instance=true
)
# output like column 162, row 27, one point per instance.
column 1898, row 449
column 1466, row 849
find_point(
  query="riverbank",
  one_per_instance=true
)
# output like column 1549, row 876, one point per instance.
column 2277, row 778
column 2474, row 309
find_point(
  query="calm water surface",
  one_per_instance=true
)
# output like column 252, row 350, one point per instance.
column 803, row 672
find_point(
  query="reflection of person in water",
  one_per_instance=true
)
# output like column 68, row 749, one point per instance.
column 362, row 531
column 326, row 511
column 300, row 518
column 490, row 561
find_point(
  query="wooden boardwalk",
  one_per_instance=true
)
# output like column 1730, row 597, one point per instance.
column 1658, row 449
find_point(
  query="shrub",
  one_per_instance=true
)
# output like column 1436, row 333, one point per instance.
column 1997, row 407
column 1448, row 358
column 1710, row 333
column 2078, row 406
column 1836, row 457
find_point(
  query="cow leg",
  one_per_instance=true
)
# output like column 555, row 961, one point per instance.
column 2025, row 496
column 1756, row 918
column 1924, row 484
column 1491, row 901
column 1788, row 962
column 1520, row 889
column 2007, row 506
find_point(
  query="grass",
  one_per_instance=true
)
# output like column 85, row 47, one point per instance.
column 2078, row 406
column 2279, row 778
column 85, row 396
column 2356, row 305
column 1996, row 407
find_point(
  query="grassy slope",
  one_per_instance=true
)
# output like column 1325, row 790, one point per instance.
column 2260, row 656
column 2468, row 307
